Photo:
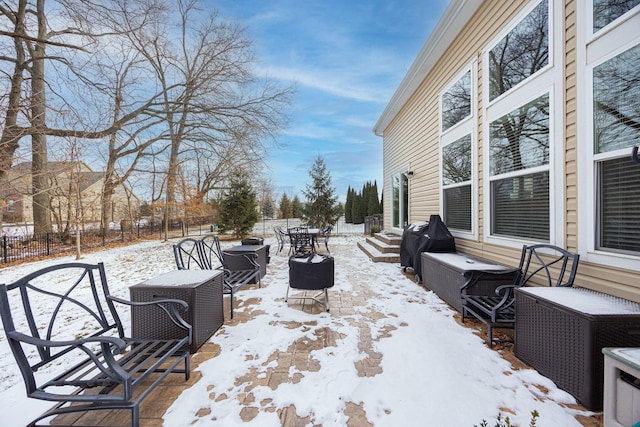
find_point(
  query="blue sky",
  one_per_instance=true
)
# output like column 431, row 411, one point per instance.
column 346, row 58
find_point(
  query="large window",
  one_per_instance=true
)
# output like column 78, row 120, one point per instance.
column 608, row 128
column 521, row 53
column 523, row 144
column 456, row 184
column 519, row 171
column 616, row 126
column 457, row 128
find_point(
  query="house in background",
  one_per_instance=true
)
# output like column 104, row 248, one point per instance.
column 516, row 124
column 75, row 192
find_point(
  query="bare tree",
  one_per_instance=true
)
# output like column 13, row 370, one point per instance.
column 212, row 101
column 175, row 96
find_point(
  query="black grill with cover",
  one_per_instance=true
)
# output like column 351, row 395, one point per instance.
column 431, row 236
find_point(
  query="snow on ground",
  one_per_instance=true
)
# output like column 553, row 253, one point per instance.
column 434, row 372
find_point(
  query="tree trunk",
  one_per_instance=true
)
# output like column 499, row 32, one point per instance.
column 40, row 178
column 11, row 133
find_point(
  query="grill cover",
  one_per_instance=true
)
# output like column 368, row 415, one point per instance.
column 432, row 236
column 311, row 272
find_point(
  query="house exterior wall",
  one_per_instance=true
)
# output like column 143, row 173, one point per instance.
column 411, row 140
column 66, row 180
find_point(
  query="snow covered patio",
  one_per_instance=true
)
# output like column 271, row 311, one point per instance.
column 389, row 353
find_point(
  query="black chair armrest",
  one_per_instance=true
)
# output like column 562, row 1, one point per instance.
column 506, row 293
column 116, row 342
column 169, row 306
column 474, row 276
column 251, row 257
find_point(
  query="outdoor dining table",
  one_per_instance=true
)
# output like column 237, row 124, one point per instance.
column 311, row 232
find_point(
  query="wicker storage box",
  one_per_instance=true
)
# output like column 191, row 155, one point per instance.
column 201, row 289
column 241, row 263
column 446, row 273
column 561, row 332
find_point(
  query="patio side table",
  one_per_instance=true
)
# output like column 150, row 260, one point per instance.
column 240, row 263
column 200, row 289
column 561, row 332
column 621, row 386
column 447, row 273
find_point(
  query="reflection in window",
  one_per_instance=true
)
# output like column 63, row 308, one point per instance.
column 607, row 11
column 616, row 109
column 521, row 53
column 518, row 142
column 456, row 102
column 395, row 189
column 400, row 201
column 456, row 184
column 520, row 139
column 616, row 102
column 456, row 161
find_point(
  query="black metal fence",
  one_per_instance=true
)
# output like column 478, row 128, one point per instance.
column 18, row 248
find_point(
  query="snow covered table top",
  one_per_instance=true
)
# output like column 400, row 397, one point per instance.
column 584, row 300
column 462, row 262
column 181, row 278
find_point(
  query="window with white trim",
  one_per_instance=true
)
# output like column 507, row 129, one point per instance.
column 400, row 200
column 519, row 171
column 456, row 159
column 456, row 102
column 608, row 128
column 616, row 126
column 456, row 184
column 520, row 139
column 521, row 53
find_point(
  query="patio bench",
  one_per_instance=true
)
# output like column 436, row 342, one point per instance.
column 64, row 315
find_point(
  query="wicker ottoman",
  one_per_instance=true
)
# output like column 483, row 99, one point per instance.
column 561, row 332
column 201, row 289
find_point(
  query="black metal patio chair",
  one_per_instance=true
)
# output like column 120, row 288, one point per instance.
column 206, row 254
column 281, row 237
column 326, row 233
column 541, row 265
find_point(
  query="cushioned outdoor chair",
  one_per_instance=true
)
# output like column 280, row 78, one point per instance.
column 540, row 265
